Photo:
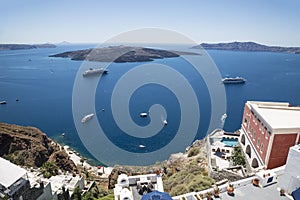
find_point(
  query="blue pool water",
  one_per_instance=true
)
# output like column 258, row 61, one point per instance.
column 230, row 142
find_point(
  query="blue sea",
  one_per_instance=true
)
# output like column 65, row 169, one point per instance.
column 44, row 87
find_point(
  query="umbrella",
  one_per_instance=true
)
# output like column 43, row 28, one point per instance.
column 296, row 194
column 156, row 195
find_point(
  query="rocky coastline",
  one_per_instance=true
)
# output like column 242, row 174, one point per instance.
column 30, row 147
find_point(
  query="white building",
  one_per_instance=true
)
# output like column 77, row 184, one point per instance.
column 17, row 183
column 290, row 181
column 12, row 183
column 66, row 182
column 133, row 187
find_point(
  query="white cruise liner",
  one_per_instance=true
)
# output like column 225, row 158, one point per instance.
column 92, row 71
column 233, row 80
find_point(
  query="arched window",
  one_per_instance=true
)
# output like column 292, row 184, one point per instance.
column 243, row 139
column 254, row 163
column 248, row 151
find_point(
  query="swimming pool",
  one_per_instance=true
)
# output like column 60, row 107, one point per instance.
column 230, row 142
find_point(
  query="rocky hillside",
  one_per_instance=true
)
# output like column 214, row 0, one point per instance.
column 248, row 46
column 24, row 46
column 121, row 54
column 28, row 146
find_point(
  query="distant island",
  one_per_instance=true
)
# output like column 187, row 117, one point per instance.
column 248, row 46
column 120, row 54
column 64, row 43
column 24, row 46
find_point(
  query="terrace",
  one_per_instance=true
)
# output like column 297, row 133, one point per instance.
column 243, row 190
column 221, row 147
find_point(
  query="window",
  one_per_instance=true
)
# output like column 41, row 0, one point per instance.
column 266, row 131
column 245, row 121
column 258, row 142
column 270, row 179
column 261, row 148
column 268, row 134
column 254, row 135
column 250, row 131
column 262, row 129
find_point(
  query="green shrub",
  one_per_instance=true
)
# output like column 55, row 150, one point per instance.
column 49, row 169
column 108, row 197
column 193, row 152
column 238, row 157
column 179, row 189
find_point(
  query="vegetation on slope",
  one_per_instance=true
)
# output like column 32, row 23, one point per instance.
column 192, row 177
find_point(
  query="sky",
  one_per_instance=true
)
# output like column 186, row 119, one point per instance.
column 270, row 22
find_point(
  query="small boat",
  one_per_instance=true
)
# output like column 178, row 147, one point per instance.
column 87, row 118
column 63, row 134
column 142, row 146
column 143, row 114
column 92, row 71
column 165, row 122
column 2, row 102
column 233, row 80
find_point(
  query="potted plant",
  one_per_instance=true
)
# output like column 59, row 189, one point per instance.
column 230, row 190
column 216, row 191
column 282, row 192
column 208, row 196
column 255, row 182
column 201, row 196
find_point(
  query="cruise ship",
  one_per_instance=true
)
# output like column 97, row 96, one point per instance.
column 87, row 118
column 233, row 80
column 92, row 71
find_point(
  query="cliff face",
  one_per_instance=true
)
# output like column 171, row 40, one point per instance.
column 248, row 46
column 28, row 146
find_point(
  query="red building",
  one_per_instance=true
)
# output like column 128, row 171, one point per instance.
column 268, row 130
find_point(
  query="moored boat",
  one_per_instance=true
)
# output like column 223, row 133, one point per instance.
column 87, row 118
column 165, row 122
column 143, row 114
